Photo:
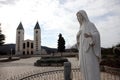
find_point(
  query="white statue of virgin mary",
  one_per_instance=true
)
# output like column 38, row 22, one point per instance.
column 88, row 41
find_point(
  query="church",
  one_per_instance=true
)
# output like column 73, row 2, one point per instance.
column 28, row 47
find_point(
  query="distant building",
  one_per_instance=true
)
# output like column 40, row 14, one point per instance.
column 24, row 47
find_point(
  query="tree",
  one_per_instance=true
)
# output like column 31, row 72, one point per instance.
column 118, row 45
column 61, row 44
column 2, row 37
column 116, row 50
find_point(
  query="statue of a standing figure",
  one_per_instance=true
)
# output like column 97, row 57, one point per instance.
column 88, row 42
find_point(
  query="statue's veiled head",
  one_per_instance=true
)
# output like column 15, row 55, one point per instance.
column 82, row 16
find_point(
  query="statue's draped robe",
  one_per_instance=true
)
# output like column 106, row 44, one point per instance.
column 89, row 55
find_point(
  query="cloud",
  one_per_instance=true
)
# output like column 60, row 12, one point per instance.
column 110, row 30
column 7, row 2
column 59, row 16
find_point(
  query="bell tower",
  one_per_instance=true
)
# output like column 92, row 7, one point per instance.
column 37, row 39
column 19, row 39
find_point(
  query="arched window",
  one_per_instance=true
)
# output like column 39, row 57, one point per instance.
column 23, row 52
column 31, row 45
column 23, row 45
column 27, row 44
column 18, row 43
column 36, row 43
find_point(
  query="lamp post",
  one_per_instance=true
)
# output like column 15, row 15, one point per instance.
column 10, row 57
column 11, row 52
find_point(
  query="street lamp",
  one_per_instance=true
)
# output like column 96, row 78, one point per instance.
column 10, row 54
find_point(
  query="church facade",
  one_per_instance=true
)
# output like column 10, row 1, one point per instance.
column 28, row 47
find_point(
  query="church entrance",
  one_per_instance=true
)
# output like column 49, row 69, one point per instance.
column 27, row 52
column 23, row 52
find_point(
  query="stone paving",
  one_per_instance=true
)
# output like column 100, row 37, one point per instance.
column 26, row 66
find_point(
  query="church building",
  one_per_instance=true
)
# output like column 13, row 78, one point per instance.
column 28, row 47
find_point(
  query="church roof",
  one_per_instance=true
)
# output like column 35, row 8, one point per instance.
column 37, row 26
column 20, row 26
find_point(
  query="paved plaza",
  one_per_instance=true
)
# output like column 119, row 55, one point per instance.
column 26, row 66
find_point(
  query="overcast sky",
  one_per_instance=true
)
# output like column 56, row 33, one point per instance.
column 59, row 16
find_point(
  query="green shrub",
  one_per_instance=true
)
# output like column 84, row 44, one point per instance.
column 48, row 61
column 111, row 63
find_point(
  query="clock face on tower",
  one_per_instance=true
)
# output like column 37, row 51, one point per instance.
column 18, row 32
column 36, row 32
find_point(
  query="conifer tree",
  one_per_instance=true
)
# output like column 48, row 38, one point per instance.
column 61, row 44
column 2, row 37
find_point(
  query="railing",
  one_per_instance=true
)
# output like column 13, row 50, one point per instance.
column 59, row 75
column 111, row 73
column 49, row 75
